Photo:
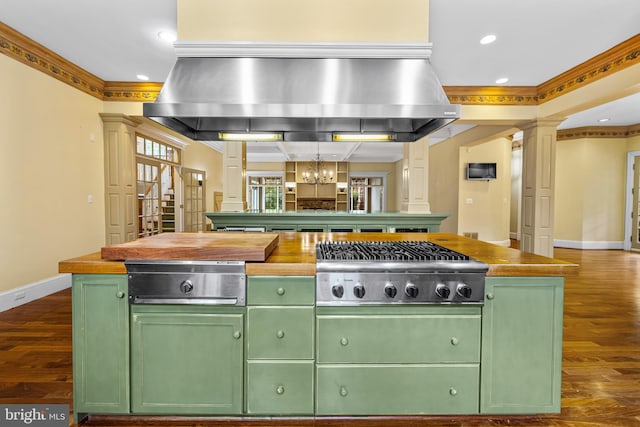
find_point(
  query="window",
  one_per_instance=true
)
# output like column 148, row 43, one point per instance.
column 156, row 183
column 266, row 192
column 367, row 193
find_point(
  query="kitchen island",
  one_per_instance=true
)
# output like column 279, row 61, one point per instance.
column 326, row 221
column 282, row 355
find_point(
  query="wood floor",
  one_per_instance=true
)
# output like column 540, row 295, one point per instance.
column 601, row 357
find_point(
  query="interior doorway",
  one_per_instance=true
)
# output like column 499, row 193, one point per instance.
column 632, row 222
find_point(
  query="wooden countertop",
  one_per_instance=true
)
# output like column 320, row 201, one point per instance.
column 295, row 256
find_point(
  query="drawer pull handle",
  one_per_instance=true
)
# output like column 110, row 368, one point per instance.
column 344, row 341
column 280, row 291
column 237, row 334
column 120, row 294
column 343, row 391
column 280, row 389
column 490, row 296
column 453, row 391
column 280, row 334
column 455, row 341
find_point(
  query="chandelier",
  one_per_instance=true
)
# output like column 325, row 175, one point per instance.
column 317, row 172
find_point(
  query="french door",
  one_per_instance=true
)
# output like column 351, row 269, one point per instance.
column 635, row 216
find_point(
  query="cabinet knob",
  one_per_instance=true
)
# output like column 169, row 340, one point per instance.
column 280, row 291
column 280, row 389
column 120, row 294
column 343, row 391
column 344, row 341
column 237, row 334
column 490, row 296
column 454, row 341
column 280, row 334
column 453, row 391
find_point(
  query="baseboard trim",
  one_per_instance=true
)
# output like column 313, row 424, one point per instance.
column 506, row 243
column 577, row 244
column 514, row 236
column 27, row 293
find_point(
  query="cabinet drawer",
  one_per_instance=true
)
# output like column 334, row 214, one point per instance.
column 280, row 332
column 280, row 387
column 279, row 290
column 398, row 339
column 397, row 389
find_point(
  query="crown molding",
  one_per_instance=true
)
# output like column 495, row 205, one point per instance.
column 598, row 132
column 492, row 95
column 617, row 58
column 131, row 91
column 33, row 54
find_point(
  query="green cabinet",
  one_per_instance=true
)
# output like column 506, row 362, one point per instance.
column 397, row 360
column 522, row 345
column 280, row 387
column 100, row 344
column 280, row 345
column 376, row 389
column 186, row 359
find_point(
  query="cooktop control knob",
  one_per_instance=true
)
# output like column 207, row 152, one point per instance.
column 411, row 290
column 463, row 290
column 358, row 290
column 337, row 291
column 443, row 291
column 390, row 290
column 186, row 286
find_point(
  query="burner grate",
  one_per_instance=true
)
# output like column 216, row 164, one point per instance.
column 386, row 251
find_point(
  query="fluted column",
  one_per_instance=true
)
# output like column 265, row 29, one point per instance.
column 415, row 177
column 538, row 186
column 234, row 160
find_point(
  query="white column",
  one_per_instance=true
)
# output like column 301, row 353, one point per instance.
column 415, row 177
column 234, row 159
column 538, row 186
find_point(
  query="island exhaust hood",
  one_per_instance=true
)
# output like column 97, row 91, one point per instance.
column 307, row 93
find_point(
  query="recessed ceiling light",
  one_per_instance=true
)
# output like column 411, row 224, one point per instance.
column 603, row 120
column 502, row 80
column 490, row 38
column 167, row 36
column 142, row 77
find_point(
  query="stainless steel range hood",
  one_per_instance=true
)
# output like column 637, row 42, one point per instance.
column 302, row 98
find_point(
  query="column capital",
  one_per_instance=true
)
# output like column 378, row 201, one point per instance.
column 546, row 122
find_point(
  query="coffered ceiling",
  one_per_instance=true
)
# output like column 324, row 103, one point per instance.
column 537, row 40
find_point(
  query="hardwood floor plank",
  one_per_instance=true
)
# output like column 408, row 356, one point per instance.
column 601, row 357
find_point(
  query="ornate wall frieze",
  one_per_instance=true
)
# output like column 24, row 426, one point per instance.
column 492, row 95
column 615, row 59
column 131, row 91
column 598, row 132
column 33, row 54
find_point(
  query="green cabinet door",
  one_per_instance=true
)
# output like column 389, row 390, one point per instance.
column 100, row 344
column 388, row 389
column 280, row 332
column 522, row 345
column 186, row 360
column 280, row 387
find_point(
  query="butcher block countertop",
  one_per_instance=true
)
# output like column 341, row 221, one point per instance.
column 294, row 254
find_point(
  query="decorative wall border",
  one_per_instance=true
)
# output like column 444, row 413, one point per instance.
column 607, row 63
column 31, row 53
column 598, row 132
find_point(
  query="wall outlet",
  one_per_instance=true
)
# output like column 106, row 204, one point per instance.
column 468, row 201
column 19, row 295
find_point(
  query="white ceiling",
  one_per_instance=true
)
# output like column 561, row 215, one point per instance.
column 537, row 40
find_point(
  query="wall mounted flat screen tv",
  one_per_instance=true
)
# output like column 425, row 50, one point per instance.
column 481, row 171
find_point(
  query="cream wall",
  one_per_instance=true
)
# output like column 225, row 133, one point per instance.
column 51, row 163
column 309, row 20
column 590, row 186
column 484, row 206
